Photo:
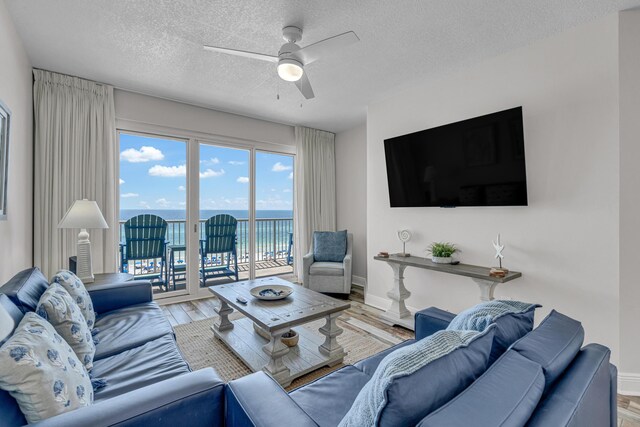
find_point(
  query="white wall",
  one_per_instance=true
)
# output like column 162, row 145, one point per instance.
column 16, row 251
column 629, row 201
column 151, row 110
column 351, row 193
column 566, row 241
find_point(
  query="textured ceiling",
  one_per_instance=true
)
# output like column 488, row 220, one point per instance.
column 155, row 47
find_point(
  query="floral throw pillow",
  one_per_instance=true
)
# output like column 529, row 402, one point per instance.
column 78, row 292
column 59, row 308
column 41, row 371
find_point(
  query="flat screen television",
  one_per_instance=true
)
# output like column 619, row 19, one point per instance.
column 475, row 162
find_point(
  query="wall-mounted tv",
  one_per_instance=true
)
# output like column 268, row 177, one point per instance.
column 475, row 162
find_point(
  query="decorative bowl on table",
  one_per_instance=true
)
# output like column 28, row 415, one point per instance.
column 271, row 292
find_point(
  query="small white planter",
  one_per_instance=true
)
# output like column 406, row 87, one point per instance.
column 441, row 260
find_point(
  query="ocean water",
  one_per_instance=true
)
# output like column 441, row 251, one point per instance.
column 272, row 229
column 181, row 214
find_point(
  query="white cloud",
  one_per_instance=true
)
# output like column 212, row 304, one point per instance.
column 144, row 205
column 279, row 167
column 121, row 181
column 163, row 203
column 168, row 171
column 235, row 162
column 181, row 188
column 144, row 154
column 209, row 173
column 290, row 175
column 286, row 190
column 243, row 180
column 129, row 195
column 215, row 160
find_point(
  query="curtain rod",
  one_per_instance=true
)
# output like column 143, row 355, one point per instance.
column 70, row 75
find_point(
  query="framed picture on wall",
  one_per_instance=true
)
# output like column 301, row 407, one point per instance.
column 5, row 120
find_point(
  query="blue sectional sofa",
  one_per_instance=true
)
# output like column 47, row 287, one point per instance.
column 544, row 379
column 149, row 382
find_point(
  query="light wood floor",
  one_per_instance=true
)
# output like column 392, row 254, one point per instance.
column 367, row 319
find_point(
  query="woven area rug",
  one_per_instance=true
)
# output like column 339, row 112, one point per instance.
column 201, row 349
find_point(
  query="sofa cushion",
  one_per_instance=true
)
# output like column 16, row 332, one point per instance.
column 26, row 288
column 41, row 371
column 416, row 379
column 327, row 399
column 505, row 395
column 78, row 292
column 513, row 320
column 327, row 269
column 582, row 395
column 132, row 369
column 370, row 364
column 59, row 308
column 129, row 327
column 329, row 246
column 553, row 345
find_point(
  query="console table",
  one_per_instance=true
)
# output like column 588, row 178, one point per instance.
column 398, row 313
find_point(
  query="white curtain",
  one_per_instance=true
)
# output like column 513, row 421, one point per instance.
column 75, row 158
column 315, row 201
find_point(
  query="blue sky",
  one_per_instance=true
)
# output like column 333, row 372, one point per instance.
column 153, row 176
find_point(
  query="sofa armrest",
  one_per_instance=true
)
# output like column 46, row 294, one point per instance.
column 430, row 321
column 195, row 399
column 307, row 260
column 112, row 296
column 258, row 401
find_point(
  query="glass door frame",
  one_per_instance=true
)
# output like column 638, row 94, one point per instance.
column 148, row 134
column 193, row 140
column 253, row 224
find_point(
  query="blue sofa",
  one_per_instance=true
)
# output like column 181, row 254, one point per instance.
column 544, row 379
column 149, row 382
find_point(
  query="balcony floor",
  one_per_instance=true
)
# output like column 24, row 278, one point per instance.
column 263, row 269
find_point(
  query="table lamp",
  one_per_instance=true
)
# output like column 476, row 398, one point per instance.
column 84, row 214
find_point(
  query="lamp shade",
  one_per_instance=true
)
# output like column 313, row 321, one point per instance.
column 83, row 214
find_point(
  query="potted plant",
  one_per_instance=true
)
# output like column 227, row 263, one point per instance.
column 441, row 252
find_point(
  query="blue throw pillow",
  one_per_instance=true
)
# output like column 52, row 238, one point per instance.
column 513, row 320
column 329, row 246
column 416, row 379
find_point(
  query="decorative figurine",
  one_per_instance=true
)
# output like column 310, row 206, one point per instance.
column 498, row 271
column 404, row 236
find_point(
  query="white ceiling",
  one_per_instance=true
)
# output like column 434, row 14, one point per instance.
column 155, row 47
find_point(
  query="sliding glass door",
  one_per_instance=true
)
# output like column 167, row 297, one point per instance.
column 223, row 214
column 274, row 214
column 153, row 207
column 226, row 209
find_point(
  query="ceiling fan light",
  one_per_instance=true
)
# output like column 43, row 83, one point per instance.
column 290, row 70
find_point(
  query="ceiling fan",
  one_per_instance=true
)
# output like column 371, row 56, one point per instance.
column 292, row 58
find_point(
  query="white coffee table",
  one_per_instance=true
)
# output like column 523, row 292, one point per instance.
column 283, row 363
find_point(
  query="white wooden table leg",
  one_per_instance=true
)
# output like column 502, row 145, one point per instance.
column 398, row 314
column 276, row 350
column 486, row 289
column 330, row 347
column 223, row 323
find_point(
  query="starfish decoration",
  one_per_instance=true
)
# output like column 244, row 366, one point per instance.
column 499, row 247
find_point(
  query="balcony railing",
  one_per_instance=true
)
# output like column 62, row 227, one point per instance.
column 272, row 244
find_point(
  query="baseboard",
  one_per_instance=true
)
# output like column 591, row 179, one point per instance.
column 382, row 303
column 359, row 281
column 629, row 384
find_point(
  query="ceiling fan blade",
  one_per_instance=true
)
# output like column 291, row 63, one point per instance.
column 243, row 53
column 326, row 47
column 305, row 87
